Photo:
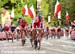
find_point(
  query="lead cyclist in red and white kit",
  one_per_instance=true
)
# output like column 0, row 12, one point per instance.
column 37, row 32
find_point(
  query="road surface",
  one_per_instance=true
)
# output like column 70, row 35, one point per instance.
column 50, row 46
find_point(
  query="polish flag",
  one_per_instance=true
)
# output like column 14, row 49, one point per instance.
column 12, row 14
column 57, row 9
column 31, row 12
column 25, row 10
column 67, row 18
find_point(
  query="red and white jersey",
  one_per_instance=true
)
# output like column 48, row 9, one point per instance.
column 23, row 22
column 36, row 23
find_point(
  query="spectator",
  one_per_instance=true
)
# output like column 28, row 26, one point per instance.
column 6, row 30
column 1, row 28
column 13, row 27
column 73, row 24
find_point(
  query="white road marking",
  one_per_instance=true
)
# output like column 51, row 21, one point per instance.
column 58, row 50
column 44, row 42
column 67, row 46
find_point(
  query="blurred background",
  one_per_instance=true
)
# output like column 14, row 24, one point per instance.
column 42, row 7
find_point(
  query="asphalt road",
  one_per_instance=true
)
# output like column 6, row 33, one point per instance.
column 51, row 46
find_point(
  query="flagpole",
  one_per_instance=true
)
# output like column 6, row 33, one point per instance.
column 26, row 2
column 36, row 7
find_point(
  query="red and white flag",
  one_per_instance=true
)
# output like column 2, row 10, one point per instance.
column 12, row 14
column 57, row 9
column 31, row 12
column 67, row 18
column 25, row 10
